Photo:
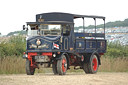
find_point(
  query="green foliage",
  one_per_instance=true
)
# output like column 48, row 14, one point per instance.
column 116, row 50
column 15, row 46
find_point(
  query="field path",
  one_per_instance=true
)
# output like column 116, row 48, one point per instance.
column 101, row 78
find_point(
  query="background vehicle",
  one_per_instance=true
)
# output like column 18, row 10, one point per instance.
column 52, row 42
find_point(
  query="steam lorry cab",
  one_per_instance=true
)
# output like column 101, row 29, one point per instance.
column 52, row 42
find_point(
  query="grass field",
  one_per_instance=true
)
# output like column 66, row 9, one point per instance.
column 11, row 62
column 16, row 65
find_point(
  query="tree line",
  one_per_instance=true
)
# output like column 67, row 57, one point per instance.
column 108, row 25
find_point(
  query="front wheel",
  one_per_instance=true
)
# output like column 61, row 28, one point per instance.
column 62, row 65
column 92, row 66
column 54, row 68
column 29, row 69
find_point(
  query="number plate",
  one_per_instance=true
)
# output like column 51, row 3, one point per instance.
column 39, row 57
column 42, row 59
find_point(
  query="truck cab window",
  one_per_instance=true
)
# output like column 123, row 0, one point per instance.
column 66, row 30
column 33, row 30
column 50, row 29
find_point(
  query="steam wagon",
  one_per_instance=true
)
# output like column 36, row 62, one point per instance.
column 52, row 42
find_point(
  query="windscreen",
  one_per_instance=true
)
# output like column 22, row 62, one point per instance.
column 44, row 30
column 50, row 29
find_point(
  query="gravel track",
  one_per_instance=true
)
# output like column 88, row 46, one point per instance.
column 101, row 78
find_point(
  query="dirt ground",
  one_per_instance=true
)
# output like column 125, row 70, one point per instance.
column 101, row 78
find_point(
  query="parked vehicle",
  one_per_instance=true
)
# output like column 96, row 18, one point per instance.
column 52, row 42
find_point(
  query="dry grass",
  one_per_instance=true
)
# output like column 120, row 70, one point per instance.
column 114, row 64
column 14, row 65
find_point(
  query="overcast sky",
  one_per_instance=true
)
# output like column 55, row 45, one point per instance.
column 15, row 13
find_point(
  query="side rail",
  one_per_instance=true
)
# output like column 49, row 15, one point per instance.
column 82, row 44
column 95, row 35
column 90, row 45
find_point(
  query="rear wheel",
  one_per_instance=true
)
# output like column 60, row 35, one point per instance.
column 29, row 69
column 62, row 65
column 92, row 66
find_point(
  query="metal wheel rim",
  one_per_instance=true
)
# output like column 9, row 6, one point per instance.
column 64, row 65
column 94, row 63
